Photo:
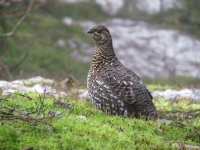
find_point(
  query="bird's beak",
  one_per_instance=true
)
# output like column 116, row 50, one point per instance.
column 90, row 31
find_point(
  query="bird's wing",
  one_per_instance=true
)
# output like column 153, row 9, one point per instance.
column 126, row 86
column 144, row 86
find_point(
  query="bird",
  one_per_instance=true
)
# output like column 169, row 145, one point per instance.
column 112, row 87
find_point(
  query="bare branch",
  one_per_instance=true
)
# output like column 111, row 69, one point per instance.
column 26, row 119
column 19, row 22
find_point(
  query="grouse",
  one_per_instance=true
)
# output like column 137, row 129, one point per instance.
column 112, row 87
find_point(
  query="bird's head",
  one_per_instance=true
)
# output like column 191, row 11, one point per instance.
column 100, row 34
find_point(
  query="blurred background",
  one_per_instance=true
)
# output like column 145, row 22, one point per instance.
column 159, row 40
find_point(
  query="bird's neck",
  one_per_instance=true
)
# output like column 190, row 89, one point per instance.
column 104, row 55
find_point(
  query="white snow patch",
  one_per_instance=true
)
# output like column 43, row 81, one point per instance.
column 170, row 94
column 84, row 94
column 111, row 6
column 152, row 7
column 34, row 84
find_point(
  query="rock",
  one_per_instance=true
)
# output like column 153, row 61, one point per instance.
column 167, row 52
column 84, row 94
column 34, row 84
column 82, row 117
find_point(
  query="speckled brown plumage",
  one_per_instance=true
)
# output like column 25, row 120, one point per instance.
column 112, row 87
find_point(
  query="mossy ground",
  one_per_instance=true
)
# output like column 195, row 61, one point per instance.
column 68, row 130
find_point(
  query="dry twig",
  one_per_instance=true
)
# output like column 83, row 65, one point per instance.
column 38, row 115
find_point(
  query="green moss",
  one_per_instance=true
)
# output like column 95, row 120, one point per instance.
column 9, row 138
column 98, row 131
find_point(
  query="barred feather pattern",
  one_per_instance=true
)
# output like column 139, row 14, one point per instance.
column 112, row 87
